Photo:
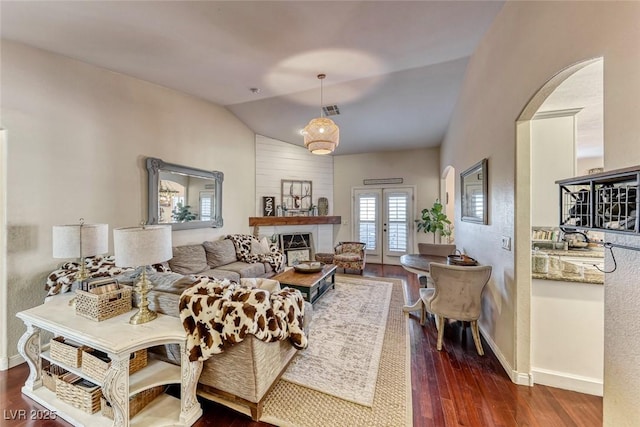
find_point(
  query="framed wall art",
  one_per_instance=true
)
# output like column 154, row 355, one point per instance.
column 296, row 195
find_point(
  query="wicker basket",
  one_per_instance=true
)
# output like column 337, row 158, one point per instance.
column 78, row 392
column 103, row 306
column 136, row 402
column 66, row 352
column 96, row 363
column 50, row 373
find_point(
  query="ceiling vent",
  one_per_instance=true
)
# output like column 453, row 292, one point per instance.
column 330, row 110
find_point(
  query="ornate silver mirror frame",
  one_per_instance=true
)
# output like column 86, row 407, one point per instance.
column 474, row 189
column 192, row 185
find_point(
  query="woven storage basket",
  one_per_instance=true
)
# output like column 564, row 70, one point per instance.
column 68, row 390
column 136, row 402
column 66, row 352
column 100, row 307
column 50, row 373
column 96, row 363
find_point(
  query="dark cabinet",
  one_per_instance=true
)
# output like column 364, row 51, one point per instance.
column 606, row 201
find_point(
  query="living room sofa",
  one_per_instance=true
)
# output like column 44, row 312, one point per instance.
column 218, row 259
column 244, row 373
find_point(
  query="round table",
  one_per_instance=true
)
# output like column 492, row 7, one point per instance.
column 419, row 264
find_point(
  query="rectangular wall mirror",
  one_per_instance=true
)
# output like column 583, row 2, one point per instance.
column 184, row 197
column 473, row 184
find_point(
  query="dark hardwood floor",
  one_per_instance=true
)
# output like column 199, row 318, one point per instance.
column 453, row 387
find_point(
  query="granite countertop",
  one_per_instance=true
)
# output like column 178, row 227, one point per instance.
column 586, row 253
column 589, row 275
column 560, row 276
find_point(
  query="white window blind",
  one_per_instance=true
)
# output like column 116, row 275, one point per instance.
column 367, row 219
column 397, row 228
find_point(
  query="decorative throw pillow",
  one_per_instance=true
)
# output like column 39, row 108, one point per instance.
column 189, row 259
column 220, row 252
column 261, row 246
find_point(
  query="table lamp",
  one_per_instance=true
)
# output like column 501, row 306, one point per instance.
column 79, row 241
column 139, row 247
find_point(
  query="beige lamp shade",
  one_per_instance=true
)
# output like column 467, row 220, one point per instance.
column 136, row 246
column 321, row 136
column 80, row 240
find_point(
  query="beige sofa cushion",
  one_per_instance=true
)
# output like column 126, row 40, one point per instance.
column 189, row 259
column 220, row 252
column 246, row 270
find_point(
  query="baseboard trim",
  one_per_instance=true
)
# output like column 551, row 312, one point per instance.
column 11, row 362
column 568, row 381
column 520, row 378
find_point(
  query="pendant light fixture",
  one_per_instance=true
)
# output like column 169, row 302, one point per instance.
column 321, row 135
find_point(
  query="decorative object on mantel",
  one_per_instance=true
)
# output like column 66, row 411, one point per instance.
column 80, row 241
column 323, row 206
column 139, row 247
column 296, row 197
column 269, row 206
column 321, row 135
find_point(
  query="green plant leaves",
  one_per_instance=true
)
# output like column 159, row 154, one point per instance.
column 434, row 220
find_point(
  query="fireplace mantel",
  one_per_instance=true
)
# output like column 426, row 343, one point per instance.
column 257, row 221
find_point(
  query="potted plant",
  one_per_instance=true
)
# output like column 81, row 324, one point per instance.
column 182, row 213
column 434, row 221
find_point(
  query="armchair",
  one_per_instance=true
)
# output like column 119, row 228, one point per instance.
column 349, row 255
column 456, row 295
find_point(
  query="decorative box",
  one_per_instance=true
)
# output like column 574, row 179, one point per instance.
column 136, row 402
column 96, row 363
column 78, row 392
column 103, row 302
column 67, row 352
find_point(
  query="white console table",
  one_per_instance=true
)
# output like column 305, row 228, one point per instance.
column 118, row 339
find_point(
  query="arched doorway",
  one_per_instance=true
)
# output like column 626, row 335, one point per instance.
column 448, row 197
column 523, row 217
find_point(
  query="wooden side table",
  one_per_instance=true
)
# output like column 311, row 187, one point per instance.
column 118, row 339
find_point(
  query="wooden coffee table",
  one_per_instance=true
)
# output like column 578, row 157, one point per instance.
column 311, row 285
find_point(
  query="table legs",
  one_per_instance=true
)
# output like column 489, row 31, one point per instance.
column 29, row 349
column 190, row 409
column 116, row 388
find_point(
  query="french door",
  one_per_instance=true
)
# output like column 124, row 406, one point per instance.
column 383, row 219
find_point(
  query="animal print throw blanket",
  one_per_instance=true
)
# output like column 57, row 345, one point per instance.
column 61, row 280
column 242, row 243
column 217, row 314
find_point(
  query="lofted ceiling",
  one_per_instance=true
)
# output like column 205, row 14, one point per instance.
column 394, row 68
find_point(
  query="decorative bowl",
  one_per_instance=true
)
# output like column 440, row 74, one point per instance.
column 461, row 260
column 308, row 267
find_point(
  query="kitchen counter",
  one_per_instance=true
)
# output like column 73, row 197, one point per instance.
column 577, row 271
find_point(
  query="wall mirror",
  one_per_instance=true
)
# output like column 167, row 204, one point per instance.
column 473, row 183
column 184, row 197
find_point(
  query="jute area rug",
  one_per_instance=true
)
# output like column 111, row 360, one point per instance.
column 290, row 404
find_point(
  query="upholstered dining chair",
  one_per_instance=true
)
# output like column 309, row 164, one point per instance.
column 349, row 256
column 438, row 249
column 456, row 295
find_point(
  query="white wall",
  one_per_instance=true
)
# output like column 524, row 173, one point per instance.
column 567, row 319
column 416, row 167
column 528, row 43
column 553, row 157
column 77, row 139
column 277, row 160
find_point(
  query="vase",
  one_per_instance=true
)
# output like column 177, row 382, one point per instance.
column 323, row 206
